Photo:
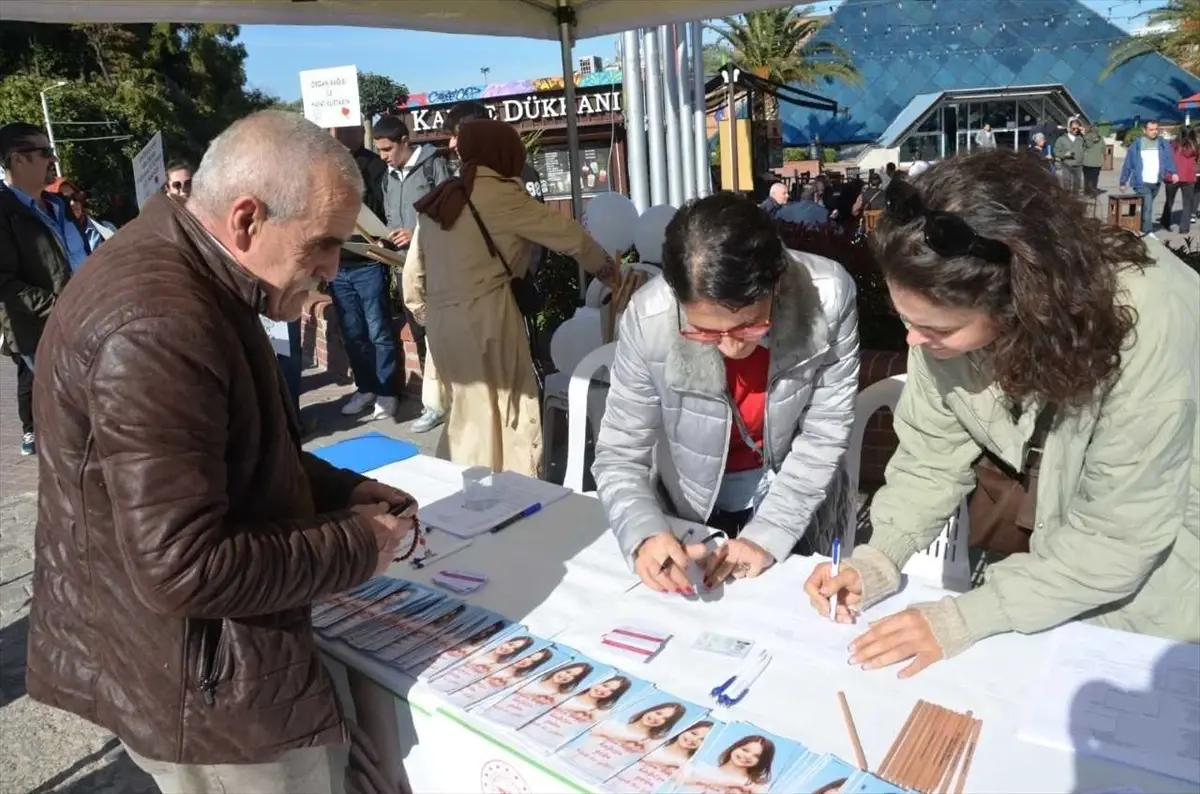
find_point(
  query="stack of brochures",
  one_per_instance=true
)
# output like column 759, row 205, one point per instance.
column 610, row 728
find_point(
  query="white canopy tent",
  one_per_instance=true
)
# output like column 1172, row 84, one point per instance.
column 561, row 20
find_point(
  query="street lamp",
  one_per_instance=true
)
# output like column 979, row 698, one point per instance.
column 49, row 126
column 485, row 71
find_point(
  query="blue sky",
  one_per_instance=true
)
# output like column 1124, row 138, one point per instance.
column 436, row 61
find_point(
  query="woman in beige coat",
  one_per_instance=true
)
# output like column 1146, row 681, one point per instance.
column 472, row 323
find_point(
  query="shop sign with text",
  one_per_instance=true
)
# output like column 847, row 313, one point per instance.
column 527, row 108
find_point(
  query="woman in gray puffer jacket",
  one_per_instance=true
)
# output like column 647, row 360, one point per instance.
column 732, row 399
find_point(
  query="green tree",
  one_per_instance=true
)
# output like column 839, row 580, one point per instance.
column 379, row 94
column 780, row 45
column 124, row 83
column 1180, row 41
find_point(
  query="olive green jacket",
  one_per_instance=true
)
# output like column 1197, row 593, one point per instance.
column 1093, row 149
column 1117, row 537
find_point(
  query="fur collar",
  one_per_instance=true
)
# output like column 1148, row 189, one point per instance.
column 799, row 331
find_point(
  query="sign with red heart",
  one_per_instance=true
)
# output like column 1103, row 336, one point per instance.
column 330, row 96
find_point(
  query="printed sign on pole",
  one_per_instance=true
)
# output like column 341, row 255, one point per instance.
column 149, row 170
column 331, row 96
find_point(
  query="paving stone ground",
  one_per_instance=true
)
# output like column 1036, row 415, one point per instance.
column 45, row 750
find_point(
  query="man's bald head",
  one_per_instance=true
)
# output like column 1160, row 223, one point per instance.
column 282, row 195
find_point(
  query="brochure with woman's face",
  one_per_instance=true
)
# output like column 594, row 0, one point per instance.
column 345, row 605
column 522, row 669
column 471, row 644
column 826, row 774
column 366, row 620
column 604, row 691
column 657, row 771
column 473, row 620
column 743, row 759
column 397, row 618
column 543, row 693
column 495, row 657
column 630, row 733
column 421, row 632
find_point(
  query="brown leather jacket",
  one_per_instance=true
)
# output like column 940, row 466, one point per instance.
column 182, row 533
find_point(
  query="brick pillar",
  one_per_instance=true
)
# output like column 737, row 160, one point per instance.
column 879, row 442
column 322, row 342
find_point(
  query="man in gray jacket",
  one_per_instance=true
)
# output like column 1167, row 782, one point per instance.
column 413, row 170
column 705, row 424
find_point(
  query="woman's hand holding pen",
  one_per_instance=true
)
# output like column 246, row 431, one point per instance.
column 823, row 584
column 662, row 563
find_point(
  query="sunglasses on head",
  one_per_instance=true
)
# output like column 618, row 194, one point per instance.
column 751, row 332
column 946, row 233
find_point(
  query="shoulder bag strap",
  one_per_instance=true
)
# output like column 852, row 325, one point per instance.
column 1037, row 441
column 487, row 238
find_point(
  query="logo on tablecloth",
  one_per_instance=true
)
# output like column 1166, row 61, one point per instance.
column 499, row 777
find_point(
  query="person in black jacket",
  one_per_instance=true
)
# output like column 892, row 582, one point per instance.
column 361, row 293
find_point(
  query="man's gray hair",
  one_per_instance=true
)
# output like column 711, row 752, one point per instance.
column 1039, row 136
column 271, row 155
column 808, row 192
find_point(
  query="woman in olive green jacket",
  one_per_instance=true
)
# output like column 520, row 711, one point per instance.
column 1094, row 149
column 1015, row 299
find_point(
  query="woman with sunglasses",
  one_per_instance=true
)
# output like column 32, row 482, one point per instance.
column 1060, row 353
column 731, row 400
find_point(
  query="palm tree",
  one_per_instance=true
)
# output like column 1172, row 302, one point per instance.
column 1179, row 40
column 780, row 45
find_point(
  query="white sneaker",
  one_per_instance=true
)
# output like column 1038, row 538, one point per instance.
column 358, row 402
column 385, row 407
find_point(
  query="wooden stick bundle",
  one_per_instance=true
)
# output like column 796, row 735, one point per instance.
column 934, row 743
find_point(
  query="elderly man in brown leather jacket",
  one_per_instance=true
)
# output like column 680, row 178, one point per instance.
column 182, row 533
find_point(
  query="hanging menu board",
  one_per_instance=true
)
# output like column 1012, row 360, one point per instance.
column 554, row 165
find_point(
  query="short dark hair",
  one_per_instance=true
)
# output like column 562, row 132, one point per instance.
column 1057, row 302
column 180, row 165
column 724, row 249
column 391, row 128
column 890, row 168
column 16, row 136
column 465, row 111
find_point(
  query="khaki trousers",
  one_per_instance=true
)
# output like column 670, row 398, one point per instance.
column 302, row 771
column 433, row 393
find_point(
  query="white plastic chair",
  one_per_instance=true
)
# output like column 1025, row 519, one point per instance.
column 585, row 406
column 944, row 563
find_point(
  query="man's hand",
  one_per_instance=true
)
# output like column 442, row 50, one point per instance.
column 898, row 638
column 390, row 531
column 400, row 237
column 741, row 559
column 372, row 492
column 662, row 562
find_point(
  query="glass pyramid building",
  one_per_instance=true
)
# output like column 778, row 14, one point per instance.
column 906, row 48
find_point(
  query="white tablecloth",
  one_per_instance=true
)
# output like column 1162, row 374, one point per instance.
column 532, row 580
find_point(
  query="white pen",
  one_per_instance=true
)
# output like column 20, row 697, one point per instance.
column 833, row 570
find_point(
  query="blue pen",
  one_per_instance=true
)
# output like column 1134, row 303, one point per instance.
column 526, row 513
column 833, row 570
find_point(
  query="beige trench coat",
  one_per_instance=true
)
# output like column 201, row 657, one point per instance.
column 472, row 324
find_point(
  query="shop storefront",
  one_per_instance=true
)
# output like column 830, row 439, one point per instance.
column 538, row 110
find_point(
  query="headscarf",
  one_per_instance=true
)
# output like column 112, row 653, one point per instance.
column 485, row 142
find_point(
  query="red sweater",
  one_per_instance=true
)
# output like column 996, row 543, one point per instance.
column 747, row 382
column 1185, row 163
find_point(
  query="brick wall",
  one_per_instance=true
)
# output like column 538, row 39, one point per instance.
column 323, row 346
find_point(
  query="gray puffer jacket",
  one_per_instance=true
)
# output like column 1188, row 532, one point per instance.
column 669, row 419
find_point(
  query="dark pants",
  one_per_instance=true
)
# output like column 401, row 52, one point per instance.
column 1091, row 179
column 1188, row 191
column 416, row 329
column 1148, row 194
column 1071, row 177
column 293, row 365
column 24, row 391
column 360, row 295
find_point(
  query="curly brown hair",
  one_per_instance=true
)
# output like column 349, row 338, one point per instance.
column 1062, row 327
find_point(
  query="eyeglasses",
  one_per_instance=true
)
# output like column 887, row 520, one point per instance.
column 179, row 187
column 946, row 233
column 44, row 151
column 751, row 332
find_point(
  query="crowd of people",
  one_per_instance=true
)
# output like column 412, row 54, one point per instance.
column 1052, row 377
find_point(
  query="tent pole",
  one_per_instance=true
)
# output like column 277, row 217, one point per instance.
column 565, row 15
column 670, row 93
column 687, row 141
column 731, row 76
column 635, row 120
column 654, row 117
column 699, row 109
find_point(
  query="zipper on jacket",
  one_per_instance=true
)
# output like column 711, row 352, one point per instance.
column 208, row 668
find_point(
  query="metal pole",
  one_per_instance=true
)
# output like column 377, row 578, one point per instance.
column 731, row 75
column 635, row 121
column 654, row 118
column 50, row 133
column 566, row 19
column 699, row 112
column 687, row 157
column 671, row 97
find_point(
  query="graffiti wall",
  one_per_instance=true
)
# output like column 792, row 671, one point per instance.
column 478, row 92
